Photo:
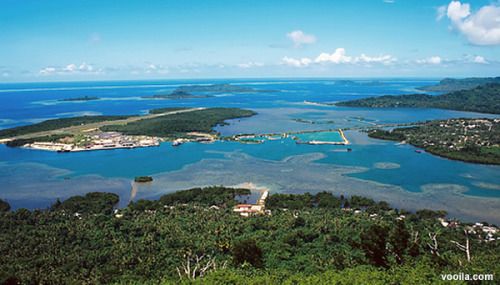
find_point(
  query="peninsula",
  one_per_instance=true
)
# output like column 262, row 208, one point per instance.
column 481, row 99
column 110, row 132
column 451, row 84
column 471, row 140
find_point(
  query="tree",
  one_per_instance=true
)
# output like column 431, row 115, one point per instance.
column 398, row 239
column 373, row 243
column 4, row 206
column 247, row 251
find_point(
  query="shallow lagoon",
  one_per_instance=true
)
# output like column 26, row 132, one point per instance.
column 379, row 169
column 331, row 136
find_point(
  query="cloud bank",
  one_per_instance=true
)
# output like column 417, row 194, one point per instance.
column 480, row 28
column 339, row 56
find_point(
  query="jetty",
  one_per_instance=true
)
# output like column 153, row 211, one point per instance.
column 246, row 210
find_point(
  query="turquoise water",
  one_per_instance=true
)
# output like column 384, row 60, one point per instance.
column 332, row 136
column 375, row 168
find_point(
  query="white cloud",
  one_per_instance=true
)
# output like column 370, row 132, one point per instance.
column 384, row 59
column 480, row 59
column 71, row 68
column 250, row 64
column 480, row 28
column 155, row 68
column 299, row 38
column 441, row 12
column 296, row 62
column 457, row 11
column 431, row 60
column 336, row 57
column 339, row 56
column 47, row 71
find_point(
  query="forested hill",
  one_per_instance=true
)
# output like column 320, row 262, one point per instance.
column 482, row 99
column 194, row 237
column 451, row 84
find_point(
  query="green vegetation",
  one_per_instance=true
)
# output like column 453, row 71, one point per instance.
column 181, row 123
column 143, row 179
column 216, row 195
column 166, row 110
column 308, row 239
column 482, row 99
column 91, row 203
column 450, row 84
column 84, row 98
column 4, row 206
column 471, row 140
column 56, row 124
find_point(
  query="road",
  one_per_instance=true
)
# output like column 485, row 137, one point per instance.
column 94, row 126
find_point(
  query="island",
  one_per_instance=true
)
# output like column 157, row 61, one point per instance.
column 196, row 237
column 221, row 88
column 470, row 140
column 84, row 98
column 111, row 132
column 204, row 91
column 481, row 99
column 451, row 84
column 176, row 94
column 143, row 179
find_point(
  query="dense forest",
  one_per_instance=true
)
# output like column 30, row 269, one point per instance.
column 452, row 84
column 471, row 140
column 181, row 123
column 194, row 237
column 482, row 99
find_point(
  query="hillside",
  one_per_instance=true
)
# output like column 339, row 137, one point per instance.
column 451, row 84
column 194, row 237
column 481, row 99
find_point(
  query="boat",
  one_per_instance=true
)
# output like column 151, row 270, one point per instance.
column 349, row 149
column 418, row 151
column 176, row 143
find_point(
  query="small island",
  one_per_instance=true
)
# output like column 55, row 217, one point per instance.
column 204, row 91
column 470, row 140
column 143, row 179
column 176, row 94
column 84, row 98
column 481, row 99
column 221, row 88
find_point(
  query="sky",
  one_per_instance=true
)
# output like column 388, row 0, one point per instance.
column 60, row 40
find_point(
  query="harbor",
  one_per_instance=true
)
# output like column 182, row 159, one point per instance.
column 314, row 137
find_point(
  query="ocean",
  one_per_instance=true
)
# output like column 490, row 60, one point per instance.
column 379, row 169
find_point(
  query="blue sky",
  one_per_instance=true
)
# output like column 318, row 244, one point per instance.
column 53, row 40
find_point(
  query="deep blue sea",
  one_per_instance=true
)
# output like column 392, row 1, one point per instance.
column 379, row 169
